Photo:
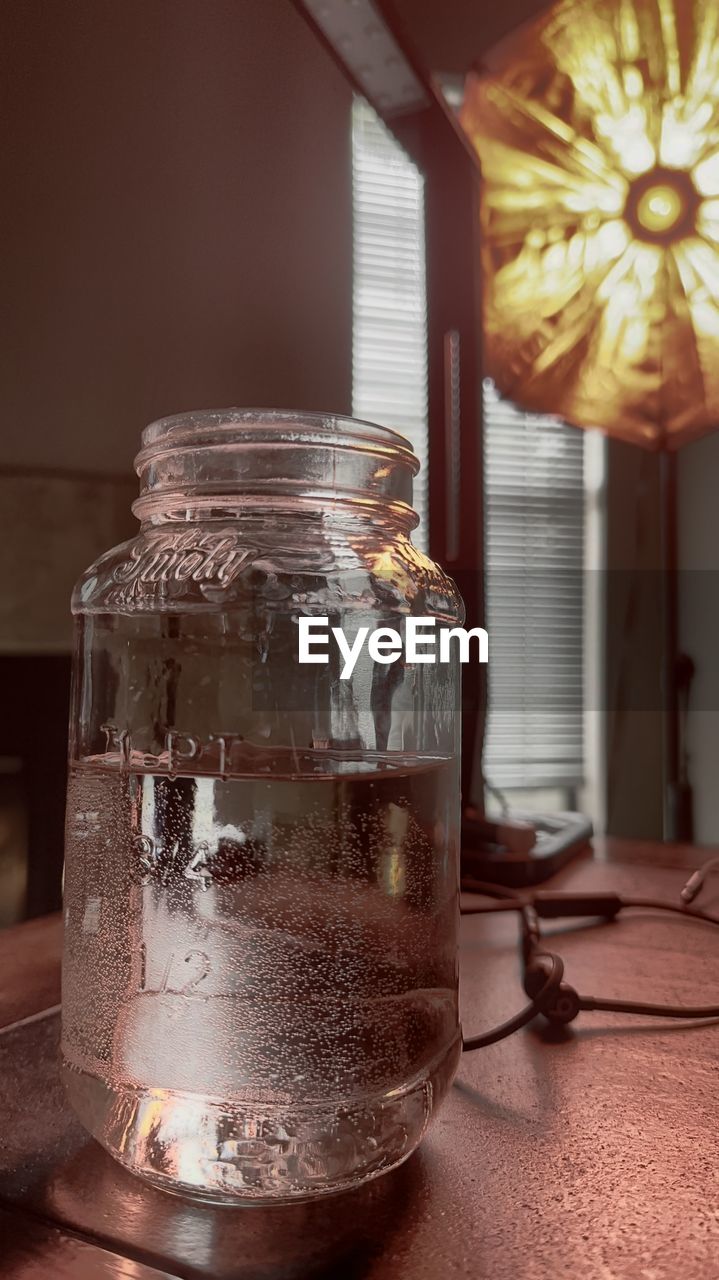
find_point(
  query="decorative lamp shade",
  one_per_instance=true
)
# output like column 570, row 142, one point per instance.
column 597, row 128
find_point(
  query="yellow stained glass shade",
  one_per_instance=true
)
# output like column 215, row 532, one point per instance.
column 597, row 128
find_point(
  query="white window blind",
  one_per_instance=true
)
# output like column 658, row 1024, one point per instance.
column 534, row 520
column 534, row 487
column 389, row 345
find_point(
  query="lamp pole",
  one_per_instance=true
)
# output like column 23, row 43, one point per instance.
column 678, row 669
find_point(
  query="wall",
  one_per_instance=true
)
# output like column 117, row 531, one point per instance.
column 62, row 522
column 698, row 480
column 176, row 221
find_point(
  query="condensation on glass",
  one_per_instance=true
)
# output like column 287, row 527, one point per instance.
column 261, row 891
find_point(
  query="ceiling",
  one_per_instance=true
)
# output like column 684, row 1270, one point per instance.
column 451, row 35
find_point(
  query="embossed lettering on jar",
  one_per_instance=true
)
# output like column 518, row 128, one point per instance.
column 260, row 971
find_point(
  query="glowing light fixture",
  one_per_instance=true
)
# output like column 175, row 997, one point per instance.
column 597, row 128
column 659, row 209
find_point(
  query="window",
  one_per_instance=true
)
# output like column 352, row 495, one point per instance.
column 389, row 330
column 534, row 520
column 534, row 487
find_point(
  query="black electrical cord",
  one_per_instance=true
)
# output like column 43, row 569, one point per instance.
column 525, row 1016
column 558, row 1001
column 692, row 1013
column 652, row 904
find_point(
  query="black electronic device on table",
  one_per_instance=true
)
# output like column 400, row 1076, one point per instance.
column 521, row 849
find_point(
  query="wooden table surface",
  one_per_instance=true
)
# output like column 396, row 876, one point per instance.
column 592, row 1153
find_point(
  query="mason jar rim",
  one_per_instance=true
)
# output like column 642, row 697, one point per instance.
column 194, row 465
column 239, row 427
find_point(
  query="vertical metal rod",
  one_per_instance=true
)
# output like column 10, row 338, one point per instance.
column 670, row 610
column 452, row 435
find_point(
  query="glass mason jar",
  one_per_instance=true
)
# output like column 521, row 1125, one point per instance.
column 261, row 886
